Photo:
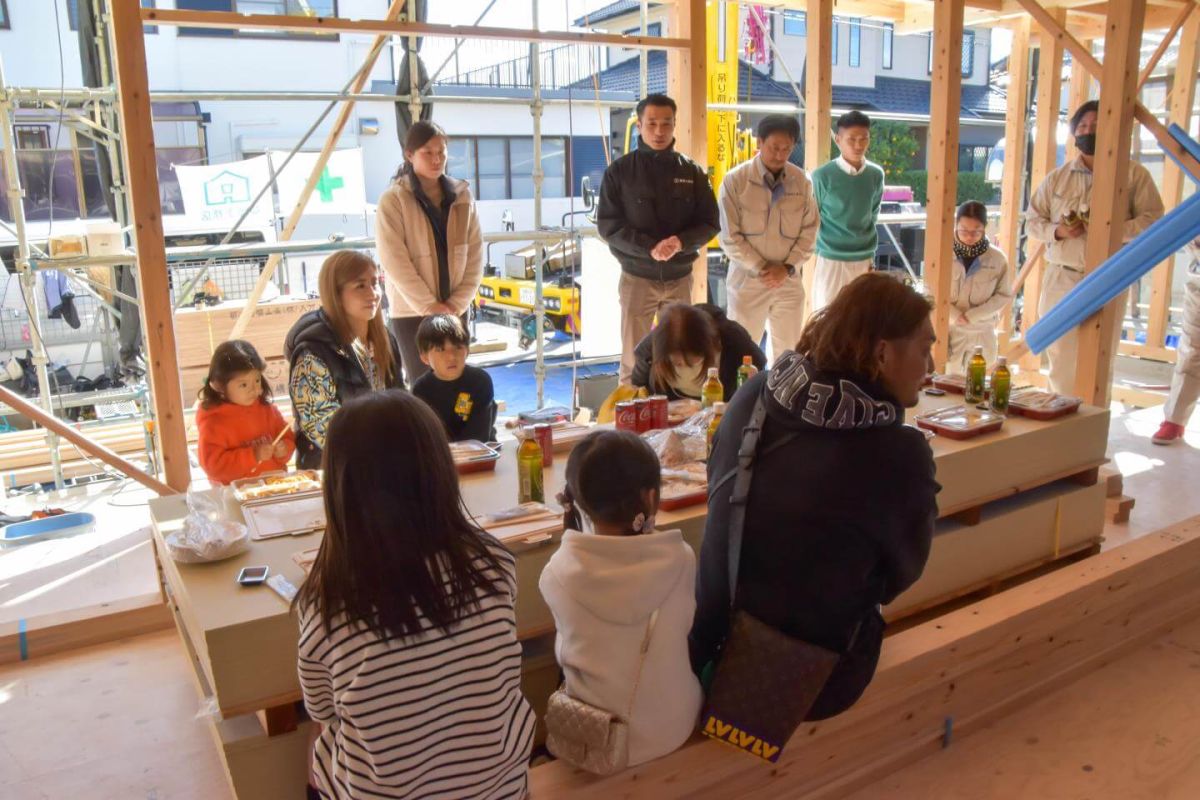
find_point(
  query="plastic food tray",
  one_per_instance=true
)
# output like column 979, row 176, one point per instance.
column 242, row 486
column 957, row 384
column 37, row 530
column 473, row 455
column 1042, row 405
column 960, row 422
column 684, row 496
column 566, row 435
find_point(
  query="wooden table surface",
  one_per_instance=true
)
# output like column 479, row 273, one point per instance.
column 245, row 639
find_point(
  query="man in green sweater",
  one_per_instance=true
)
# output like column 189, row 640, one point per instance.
column 849, row 190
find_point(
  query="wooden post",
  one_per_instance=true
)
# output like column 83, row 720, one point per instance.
column 1045, row 159
column 1110, row 189
column 137, row 145
column 687, row 83
column 1183, row 97
column 1015, row 135
column 945, row 99
column 818, row 99
column 314, row 176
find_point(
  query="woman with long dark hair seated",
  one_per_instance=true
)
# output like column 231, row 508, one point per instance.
column 409, row 658
column 690, row 339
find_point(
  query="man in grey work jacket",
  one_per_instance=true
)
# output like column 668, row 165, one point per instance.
column 769, row 222
column 656, row 212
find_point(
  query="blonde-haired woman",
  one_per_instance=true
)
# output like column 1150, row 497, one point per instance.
column 339, row 351
column 429, row 242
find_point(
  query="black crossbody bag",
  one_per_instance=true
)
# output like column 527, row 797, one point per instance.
column 765, row 680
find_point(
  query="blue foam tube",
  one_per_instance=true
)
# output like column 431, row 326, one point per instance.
column 1131, row 262
column 1187, row 143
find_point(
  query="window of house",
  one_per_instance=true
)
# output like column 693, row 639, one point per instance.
column 833, row 43
column 4, row 23
column 855, row 42
column 889, row 33
column 73, row 14
column 554, row 167
column 973, row 158
column 795, row 23
column 288, row 8
column 32, row 137
column 492, row 157
column 968, row 54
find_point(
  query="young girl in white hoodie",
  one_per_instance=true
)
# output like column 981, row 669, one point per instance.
column 610, row 575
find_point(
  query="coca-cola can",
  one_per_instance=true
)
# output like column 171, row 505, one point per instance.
column 661, row 416
column 627, row 416
column 544, row 434
column 645, row 411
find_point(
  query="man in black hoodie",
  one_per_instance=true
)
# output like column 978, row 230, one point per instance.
column 656, row 211
column 842, row 505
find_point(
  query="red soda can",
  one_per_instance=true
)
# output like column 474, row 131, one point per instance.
column 545, row 438
column 645, row 411
column 661, row 417
column 627, row 416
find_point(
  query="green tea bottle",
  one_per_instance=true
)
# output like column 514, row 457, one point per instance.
column 531, row 486
column 746, row 371
column 1001, row 386
column 976, row 375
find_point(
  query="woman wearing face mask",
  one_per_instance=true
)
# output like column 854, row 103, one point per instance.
column 430, row 245
column 675, row 358
column 842, row 501
column 622, row 597
column 979, row 288
column 1057, row 215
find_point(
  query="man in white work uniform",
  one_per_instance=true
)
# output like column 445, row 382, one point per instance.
column 769, row 222
column 1185, row 384
column 1057, row 215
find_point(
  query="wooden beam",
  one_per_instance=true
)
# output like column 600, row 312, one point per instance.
column 1012, row 192
column 818, row 94
column 1081, row 89
column 1180, row 104
column 687, row 83
column 154, row 295
column 1044, row 161
column 1110, row 192
column 314, row 176
column 1088, row 61
column 225, row 20
column 1176, row 24
column 50, row 422
column 945, row 101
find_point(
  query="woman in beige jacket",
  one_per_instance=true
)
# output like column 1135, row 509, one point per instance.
column 429, row 242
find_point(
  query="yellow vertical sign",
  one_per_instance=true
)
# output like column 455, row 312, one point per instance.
column 722, row 87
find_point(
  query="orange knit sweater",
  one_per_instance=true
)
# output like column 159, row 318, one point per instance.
column 227, row 433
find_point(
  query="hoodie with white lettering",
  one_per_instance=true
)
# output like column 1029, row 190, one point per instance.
column 602, row 591
column 839, row 519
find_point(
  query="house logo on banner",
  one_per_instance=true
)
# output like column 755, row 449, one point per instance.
column 220, row 193
column 341, row 188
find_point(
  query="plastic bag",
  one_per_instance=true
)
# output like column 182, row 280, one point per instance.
column 207, row 534
column 685, row 443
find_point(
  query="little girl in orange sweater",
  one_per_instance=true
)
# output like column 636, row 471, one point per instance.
column 237, row 420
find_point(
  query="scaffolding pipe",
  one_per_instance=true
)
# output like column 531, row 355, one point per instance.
column 27, row 277
column 644, row 55
column 539, row 305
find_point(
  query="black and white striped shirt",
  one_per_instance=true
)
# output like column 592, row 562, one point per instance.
column 427, row 716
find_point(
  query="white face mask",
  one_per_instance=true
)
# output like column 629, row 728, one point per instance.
column 689, row 378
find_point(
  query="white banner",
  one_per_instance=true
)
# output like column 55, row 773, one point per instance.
column 219, row 193
column 340, row 190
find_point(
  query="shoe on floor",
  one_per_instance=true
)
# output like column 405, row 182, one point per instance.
column 1168, row 433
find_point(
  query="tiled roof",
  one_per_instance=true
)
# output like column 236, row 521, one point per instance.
column 609, row 11
column 892, row 95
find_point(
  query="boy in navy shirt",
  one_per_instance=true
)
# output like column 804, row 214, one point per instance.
column 461, row 395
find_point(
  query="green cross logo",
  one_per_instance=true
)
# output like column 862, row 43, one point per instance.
column 327, row 184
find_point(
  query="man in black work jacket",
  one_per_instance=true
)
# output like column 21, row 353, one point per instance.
column 656, row 212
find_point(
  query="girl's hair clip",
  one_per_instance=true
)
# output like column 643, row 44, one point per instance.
column 643, row 523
